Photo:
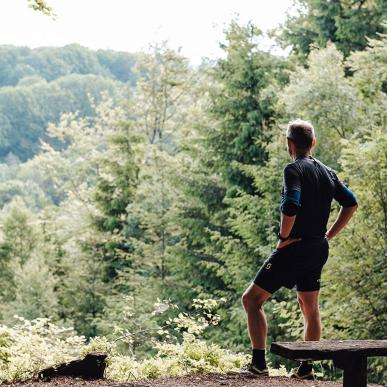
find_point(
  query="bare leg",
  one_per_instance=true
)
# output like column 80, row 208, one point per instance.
column 308, row 302
column 252, row 300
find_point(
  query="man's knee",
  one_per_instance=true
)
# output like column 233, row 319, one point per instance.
column 309, row 304
column 246, row 299
column 310, row 310
column 252, row 301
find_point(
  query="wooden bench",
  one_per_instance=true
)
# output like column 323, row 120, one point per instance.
column 349, row 355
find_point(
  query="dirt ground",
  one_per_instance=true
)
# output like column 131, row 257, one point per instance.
column 213, row 380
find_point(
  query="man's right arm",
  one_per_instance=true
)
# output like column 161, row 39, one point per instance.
column 347, row 199
column 342, row 219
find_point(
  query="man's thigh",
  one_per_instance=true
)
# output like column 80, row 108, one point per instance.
column 309, row 280
column 277, row 270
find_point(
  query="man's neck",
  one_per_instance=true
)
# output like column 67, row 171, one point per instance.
column 295, row 156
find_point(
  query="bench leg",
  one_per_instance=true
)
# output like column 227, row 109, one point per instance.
column 355, row 371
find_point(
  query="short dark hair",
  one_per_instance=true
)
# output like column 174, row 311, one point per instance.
column 301, row 133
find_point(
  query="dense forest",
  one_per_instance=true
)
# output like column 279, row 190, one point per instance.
column 140, row 194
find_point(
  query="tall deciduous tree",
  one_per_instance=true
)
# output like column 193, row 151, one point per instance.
column 160, row 109
column 157, row 114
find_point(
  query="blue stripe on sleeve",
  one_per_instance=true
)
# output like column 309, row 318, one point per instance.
column 293, row 196
column 348, row 198
column 343, row 195
column 291, row 202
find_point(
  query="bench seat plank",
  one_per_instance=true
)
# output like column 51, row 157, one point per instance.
column 329, row 349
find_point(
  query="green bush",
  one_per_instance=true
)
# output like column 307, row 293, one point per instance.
column 30, row 346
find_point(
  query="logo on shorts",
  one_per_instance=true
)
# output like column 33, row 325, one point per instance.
column 268, row 266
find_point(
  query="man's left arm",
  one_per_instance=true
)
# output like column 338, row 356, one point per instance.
column 286, row 224
column 290, row 204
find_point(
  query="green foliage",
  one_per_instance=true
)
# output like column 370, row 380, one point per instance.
column 371, row 80
column 51, row 63
column 30, row 346
column 114, row 192
column 355, row 274
column 242, row 107
column 19, row 236
column 38, row 85
column 220, row 222
column 34, row 291
column 173, row 193
column 348, row 24
column 239, row 116
column 41, row 6
column 27, row 287
column 358, row 265
column 323, row 95
column 181, row 351
column 26, row 109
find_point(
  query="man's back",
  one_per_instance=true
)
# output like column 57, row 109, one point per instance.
column 318, row 185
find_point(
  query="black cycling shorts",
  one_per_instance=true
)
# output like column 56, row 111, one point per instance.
column 297, row 264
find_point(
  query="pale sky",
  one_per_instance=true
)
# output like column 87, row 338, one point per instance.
column 131, row 25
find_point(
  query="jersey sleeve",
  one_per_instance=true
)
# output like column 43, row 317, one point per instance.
column 343, row 195
column 291, row 191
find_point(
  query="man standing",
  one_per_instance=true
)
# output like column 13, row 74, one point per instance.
column 308, row 189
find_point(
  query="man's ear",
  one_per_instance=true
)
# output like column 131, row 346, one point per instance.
column 289, row 142
column 314, row 142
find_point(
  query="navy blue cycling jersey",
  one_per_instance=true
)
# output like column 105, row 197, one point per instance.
column 309, row 187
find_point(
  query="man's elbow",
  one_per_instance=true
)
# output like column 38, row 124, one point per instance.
column 351, row 202
column 290, row 208
column 351, row 208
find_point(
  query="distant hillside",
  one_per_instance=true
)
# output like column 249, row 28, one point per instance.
column 38, row 85
column 54, row 62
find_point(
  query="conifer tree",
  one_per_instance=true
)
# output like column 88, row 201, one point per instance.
column 212, row 257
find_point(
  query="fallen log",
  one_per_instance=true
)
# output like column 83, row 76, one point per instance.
column 92, row 366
